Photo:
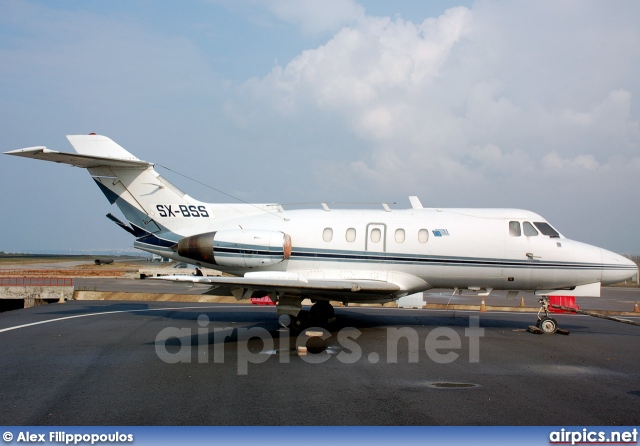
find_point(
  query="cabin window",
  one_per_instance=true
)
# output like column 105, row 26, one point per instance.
column 376, row 235
column 529, row 230
column 514, row 229
column 327, row 234
column 400, row 235
column 546, row 229
column 351, row 235
column 423, row 235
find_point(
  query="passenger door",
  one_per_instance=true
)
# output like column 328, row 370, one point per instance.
column 376, row 238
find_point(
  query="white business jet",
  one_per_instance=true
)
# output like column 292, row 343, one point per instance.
column 374, row 255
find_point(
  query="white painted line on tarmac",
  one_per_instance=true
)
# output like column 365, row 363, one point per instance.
column 229, row 306
column 113, row 312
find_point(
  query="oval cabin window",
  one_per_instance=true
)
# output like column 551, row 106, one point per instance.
column 351, row 235
column 399, row 235
column 423, row 235
column 376, row 235
column 327, row 234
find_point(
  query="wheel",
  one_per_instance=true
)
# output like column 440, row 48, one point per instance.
column 316, row 345
column 301, row 321
column 322, row 311
column 548, row 325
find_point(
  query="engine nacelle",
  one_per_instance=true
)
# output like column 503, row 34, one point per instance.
column 237, row 247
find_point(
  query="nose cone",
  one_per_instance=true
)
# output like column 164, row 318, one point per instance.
column 616, row 268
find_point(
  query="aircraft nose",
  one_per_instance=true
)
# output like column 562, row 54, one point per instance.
column 617, row 268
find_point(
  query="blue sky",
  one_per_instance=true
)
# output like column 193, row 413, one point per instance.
column 466, row 104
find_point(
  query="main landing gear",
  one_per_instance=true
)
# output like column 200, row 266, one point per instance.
column 321, row 314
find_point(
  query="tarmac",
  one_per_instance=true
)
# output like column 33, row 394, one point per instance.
column 123, row 361
column 185, row 363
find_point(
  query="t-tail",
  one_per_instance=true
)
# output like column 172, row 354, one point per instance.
column 142, row 194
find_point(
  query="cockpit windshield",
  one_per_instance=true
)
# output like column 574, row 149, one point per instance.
column 546, row 229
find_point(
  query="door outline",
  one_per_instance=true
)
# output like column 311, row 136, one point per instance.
column 383, row 238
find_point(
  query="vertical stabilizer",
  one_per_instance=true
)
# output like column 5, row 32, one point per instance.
column 158, row 211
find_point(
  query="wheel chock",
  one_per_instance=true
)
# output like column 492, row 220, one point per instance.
column 535, row 330
column 563, row 331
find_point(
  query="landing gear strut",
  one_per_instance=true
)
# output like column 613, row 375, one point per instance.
column 545, row 324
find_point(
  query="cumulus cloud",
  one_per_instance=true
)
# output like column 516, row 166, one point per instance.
column 412, row 91
column 316, row 16
column 476, row 100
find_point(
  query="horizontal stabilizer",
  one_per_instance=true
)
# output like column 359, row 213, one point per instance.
column 100, row 146
column 75, row 159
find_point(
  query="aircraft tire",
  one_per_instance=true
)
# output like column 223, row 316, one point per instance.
column 548, row 325
column 322, row 310
column 301, row 321
column 322, row 314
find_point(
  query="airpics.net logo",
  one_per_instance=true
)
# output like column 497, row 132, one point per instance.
column 255, row 345
column 586, row 436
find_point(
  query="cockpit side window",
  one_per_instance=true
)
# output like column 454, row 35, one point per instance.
column 514, row 229
column 546, row 229
column 529, row 230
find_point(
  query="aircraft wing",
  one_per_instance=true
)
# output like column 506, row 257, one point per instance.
column 75, row 159
column 343, row 289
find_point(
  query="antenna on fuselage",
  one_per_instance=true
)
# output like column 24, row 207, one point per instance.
column 415, row 202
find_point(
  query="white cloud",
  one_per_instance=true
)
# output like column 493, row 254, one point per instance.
column 386, row 77
column 366, row 72
column 316, row 16
column 493, row 103
column 554, row 161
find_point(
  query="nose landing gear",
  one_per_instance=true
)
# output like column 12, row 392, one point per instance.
column 546, row 324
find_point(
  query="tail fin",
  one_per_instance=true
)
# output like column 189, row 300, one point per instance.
column 159, row 213
column 143, row 196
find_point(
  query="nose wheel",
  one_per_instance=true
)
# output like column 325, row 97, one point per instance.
column 546, row 324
